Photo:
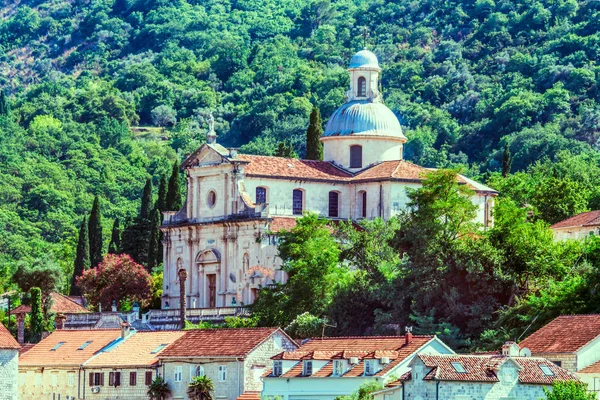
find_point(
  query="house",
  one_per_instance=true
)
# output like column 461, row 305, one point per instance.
column 475, row 377
column 234, row 359
column 54, row 366
column 124, row 369
column 9, row 365
column 579, row 227
column 326, row 368
column 225, row 235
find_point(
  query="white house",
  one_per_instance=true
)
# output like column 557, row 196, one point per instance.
column 475, row 377
column 326, row 368
column 225, row 234
column 9, row 365
column 580, row 226
column 234, row 359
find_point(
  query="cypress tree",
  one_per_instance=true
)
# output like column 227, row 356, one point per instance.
column 37, row 315
column 154, row 248
column 146, row 208
column 285, row 150
column 95, row 233
column 506, row 161
column 115, row 238
column 3, row 103
column 173, row 202
column 314, row 147
column 162, row 194
column 82, row 257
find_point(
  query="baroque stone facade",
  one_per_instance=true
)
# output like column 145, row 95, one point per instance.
column 9, row 372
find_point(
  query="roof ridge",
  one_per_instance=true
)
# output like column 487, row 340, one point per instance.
column 370, row 337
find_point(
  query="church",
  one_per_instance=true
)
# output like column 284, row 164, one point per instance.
column 225, row 236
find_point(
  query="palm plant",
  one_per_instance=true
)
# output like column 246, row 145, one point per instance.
column 158, row 389
column 201, row 388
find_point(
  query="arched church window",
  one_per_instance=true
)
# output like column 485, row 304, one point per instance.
column 362, row 87
column 334, row 202
column 355, row 156
column 297, row 202
column 261, row 195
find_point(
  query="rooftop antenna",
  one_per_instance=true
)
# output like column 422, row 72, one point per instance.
column 324, row 325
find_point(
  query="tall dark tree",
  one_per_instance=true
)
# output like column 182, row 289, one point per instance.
column 285, row 150
column 154, row 248
column 146, row 207
column 506, row 161
column 161, row 201
column 3, row 103
column 37, row 315
column 314, row 147
column 82, row 257
column 95, row 233
column 173, row 202
column 115, row 238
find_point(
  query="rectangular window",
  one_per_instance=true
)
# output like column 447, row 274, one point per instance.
column 546, row 370
column 369, row 367
column 178, row 372
column 307, row 368
column 96, row 379
column 222, row 373
column 297, row 202
column 334, row 198
column 114, row 379
column 71, row 379
column 132, row 378
column 54, row 381
column 355, row 156
column 261, row 195
column 458, row 367
column 195, row 371
column 338, row 367
column 277, row 368
column 56, row 346
column 83, row 346
column 559, row 363
column 148, row 380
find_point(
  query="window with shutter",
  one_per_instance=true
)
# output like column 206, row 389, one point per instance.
column 148, row 380
column 101, row 375
column 111, row 379
column 334, row 198
column 132, row 378
column 298, row 202
column 355, row 156
column 117, row 379
column 91, row 380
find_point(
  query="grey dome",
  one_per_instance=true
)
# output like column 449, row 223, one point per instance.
column 364, row 59
column 363, row 117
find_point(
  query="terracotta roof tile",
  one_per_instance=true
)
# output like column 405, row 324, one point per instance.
column 392, row 169
column 484, row 368
column 565, row 334
column 294, row 372
column 60, row 305
column 365, row 343
column 292, row 168
column 249, row 396
column 325, row 371
column 218, row 342
column 355, row 370
column 278, row 224
column 25, row 348
column 138, row 350
column 68, row 354
column 591, row 369
column 591, row 218
column 7, row 341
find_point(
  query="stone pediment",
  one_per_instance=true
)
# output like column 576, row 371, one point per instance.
column 206, row 155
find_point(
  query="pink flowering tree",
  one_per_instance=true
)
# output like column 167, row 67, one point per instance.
column 118, row 278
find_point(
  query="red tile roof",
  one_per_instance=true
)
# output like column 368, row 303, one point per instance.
column 591, row 218
column 364, row 343
column 591, row 369
column 279, row 167
column 485, row 368
column 25, row 348
column 392, row 169
column 7, row 341
column 218, row 342
column 138, row 350
column 280, row 223
column 249, row 396
column 60, row 305
column 68, row 354
column 565, row 334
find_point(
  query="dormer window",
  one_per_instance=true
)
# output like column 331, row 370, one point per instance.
column 355, row 156
column 369, row 367
column 277, row 368
column 362, row 87
column 338, row 367
column 307, row 368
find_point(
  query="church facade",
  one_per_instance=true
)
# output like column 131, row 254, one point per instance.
column 225, row 236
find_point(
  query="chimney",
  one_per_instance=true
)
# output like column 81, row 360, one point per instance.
column 510, row 349
column 125, row 330
column 408, row 336
column 60, row 321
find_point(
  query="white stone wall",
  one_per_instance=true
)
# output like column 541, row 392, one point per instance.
column 374, row 149
column 124, row 391
column 230, row 389
column 36, row 384
column 9, row 371
column 593, row 382
column 579, row 233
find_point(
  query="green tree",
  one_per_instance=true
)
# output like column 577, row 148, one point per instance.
column 154, row 248
column 558, row 199
column 4, row 108
column 159, row 389
column 201, row 388
column 569, row 390
column 173, row 202
column 82, row 257
column 95, row 233
column 146, row 206
column 37, row 315
column 114, row 247
column 44, row 273
column 285, row 150
column 506, row 161
column 314, row 147
column 161, row 201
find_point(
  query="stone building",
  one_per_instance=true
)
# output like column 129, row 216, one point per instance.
column 9, row 365
column 579, row 227
column 234, row 359
column 475, row 377
column 225, row 236
column 325, row 368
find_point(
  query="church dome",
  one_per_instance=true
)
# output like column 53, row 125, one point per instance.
column 363, row 117
column 364, row 59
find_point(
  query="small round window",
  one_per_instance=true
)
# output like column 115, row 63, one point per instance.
column 212, row 198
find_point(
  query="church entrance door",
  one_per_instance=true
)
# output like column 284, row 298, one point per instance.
column 211, row 280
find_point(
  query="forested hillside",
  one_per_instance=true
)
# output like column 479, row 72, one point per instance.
column 509, row 86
